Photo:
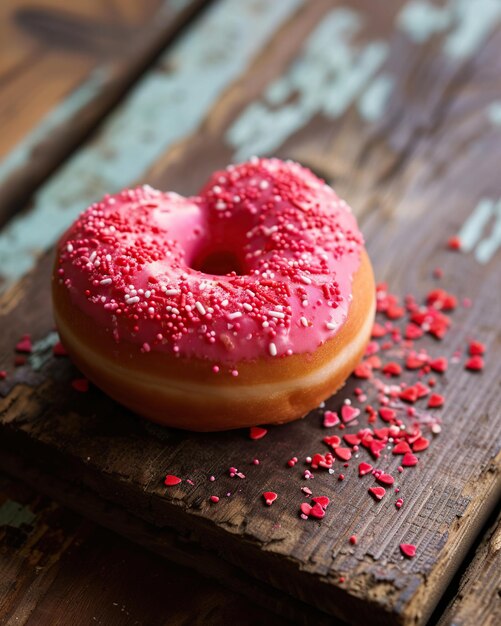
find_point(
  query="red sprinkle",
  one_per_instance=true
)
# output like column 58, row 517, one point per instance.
column 385, row 479
column 435, row 401
column 409, row 460
column 408, row 550
column 59, row 350
column 322, row 500
column 392, row 369
column 476, row 348
column 24, row 345
column 364, row 468
column 454, row 243
column 349, row 413
column 377, row 492
column 475, row 363
column 256, row 432
column 171, row 480
column 439, row 365
column 344, row 454
column 80, row 384
column 402, row 447
column 269, row 497
column 214, row 499
column 353, row 540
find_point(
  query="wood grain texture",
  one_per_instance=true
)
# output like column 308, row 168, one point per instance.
column 412, row 175
column 62, row 67
column 57, row 568
column 478, row 598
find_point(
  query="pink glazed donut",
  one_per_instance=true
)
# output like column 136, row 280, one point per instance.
column 247, row 304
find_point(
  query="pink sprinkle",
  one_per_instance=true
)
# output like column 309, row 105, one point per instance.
column 255, row 461
column 215, row 369
column 408, row 550
column 212, row 479
column 214, row 499
column 24, row 345
column 330, row 419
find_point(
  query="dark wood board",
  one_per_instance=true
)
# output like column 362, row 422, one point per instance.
column 411, row 175
column 62, row 67
column 58, row 568
column 478, row 597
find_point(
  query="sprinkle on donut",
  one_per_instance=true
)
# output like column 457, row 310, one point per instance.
column 259, row 265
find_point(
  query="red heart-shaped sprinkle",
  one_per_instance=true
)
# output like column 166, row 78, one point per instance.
column 378, row 331
column 408, row 550
column 343, row 453
column 377, row 492
column 364, row 468
column 476, row 348
column 334, row 441
column 363, row 370
column 392, row 369
column 439, row 365
column 421, row 389
column 414, row 362
column 420, row 444
column 317, row 511
column 305, row 508
column 322, row 500
column 349, row 413
column 382, row 433
column 352, row 440
column 409, row 394
column 402, row 447
column 409, row 460
column 385, row 479
column 171, row 480
column 330, row 419
column 387, row 415
column 269, row 497
column 24, row 345
column 376, row 447
column 435, row 401
column 475, row 363
column 412, row 331
column 256, row 432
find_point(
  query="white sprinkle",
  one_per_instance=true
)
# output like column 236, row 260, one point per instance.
column 251, row 293
column 264, row 184
column 133, row 300
column 331, row 325
column 304, row 302
column 235, row 315
column 217, row 189
column 151, row 310
column 273, row 349
column 200, row 307
column 304, row 321
column 225, row 302
column 265, row 324
column 69, row 248
column 93, row 256
column 220, row 205
column 147, row 293
column 247, row 307
column 105, row 281
column 175, row 311
column 306, row 280
column 277, row 314
column 171, row 292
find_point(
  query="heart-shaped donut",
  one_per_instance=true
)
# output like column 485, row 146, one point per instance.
column 249, row 303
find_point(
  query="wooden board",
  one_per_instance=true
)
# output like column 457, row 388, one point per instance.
column 408, row 165
column 57, row 568
column 62, row 66
column 478, row 598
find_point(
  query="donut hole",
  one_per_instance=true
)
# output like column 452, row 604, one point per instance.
column 218, row 263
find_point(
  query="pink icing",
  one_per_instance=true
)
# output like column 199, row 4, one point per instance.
column 129, row 263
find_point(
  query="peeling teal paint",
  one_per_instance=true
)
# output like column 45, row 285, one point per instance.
column 59, row 117
column 15, row 515
column 372, row 103
column 42, row 351
column 328, row 77
column 166, row 106
column 494, row 113
column 473, row 235
column 467, row 23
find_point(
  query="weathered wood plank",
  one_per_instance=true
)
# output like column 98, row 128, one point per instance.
column 167, row 105
column 478, row 599
column 56, row 568
column 401, row 143
column 62, row 67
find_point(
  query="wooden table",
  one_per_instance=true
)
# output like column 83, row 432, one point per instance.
column 397, row 104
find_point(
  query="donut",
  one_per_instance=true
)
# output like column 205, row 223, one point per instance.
column 248, row 304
